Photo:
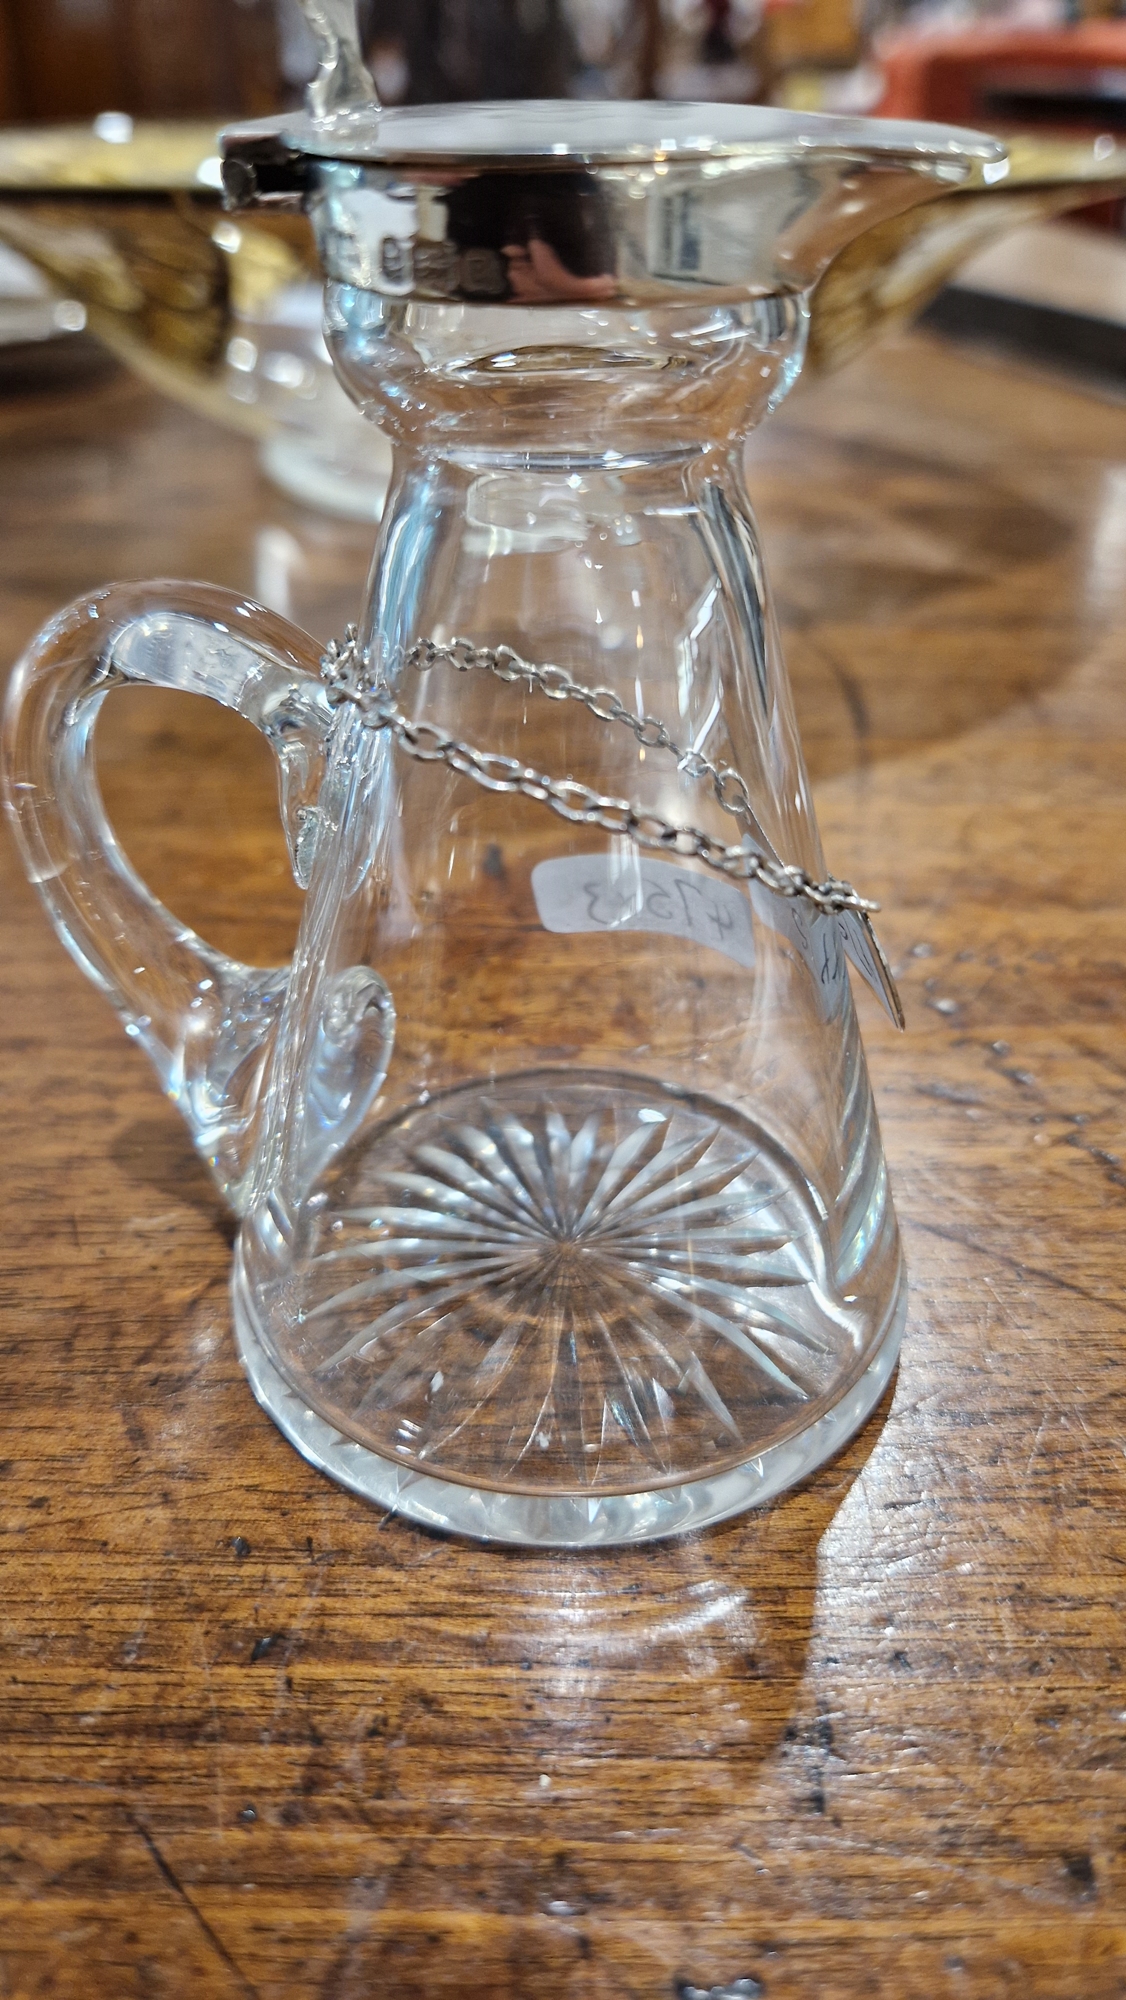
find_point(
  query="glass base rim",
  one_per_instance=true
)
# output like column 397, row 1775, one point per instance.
column 560, row 1521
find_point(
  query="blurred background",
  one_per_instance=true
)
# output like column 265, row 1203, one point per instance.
column 113, row 240
column 1002, row 62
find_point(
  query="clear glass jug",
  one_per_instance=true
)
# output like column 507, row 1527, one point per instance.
column 564, row 1213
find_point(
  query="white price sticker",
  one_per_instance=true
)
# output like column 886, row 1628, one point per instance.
column 859, row 940
column 610, row 892
column 605, row 892
column 815, row 937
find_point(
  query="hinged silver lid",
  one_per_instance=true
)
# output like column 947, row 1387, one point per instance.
column 510, row 134
column 633, row 203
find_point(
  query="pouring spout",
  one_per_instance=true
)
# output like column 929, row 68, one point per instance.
column 859, row 190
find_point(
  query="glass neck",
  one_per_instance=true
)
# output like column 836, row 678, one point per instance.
column 566, row 386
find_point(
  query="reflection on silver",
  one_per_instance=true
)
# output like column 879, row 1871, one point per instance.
column 590, row 203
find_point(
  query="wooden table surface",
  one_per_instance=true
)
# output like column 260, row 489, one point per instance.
column 257, row 1739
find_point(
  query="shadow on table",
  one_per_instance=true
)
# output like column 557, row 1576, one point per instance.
column 917, row 598
column 572, row 1740
column 156, row 1155
column 606, row 1722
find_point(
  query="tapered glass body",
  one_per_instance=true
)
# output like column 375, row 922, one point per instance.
column 618, row 1219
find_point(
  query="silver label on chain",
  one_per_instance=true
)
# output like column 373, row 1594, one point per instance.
column 860, row 943
column 608, row 892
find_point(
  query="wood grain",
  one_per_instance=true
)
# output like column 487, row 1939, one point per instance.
column 256, row 1739
column 154, row 58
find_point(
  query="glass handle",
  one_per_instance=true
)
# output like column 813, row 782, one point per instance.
column 206, row 1021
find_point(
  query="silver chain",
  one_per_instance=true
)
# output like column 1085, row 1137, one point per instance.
column 558, row 685
column 347, row 678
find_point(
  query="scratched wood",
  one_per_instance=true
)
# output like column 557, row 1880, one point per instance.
column 256, row 1739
